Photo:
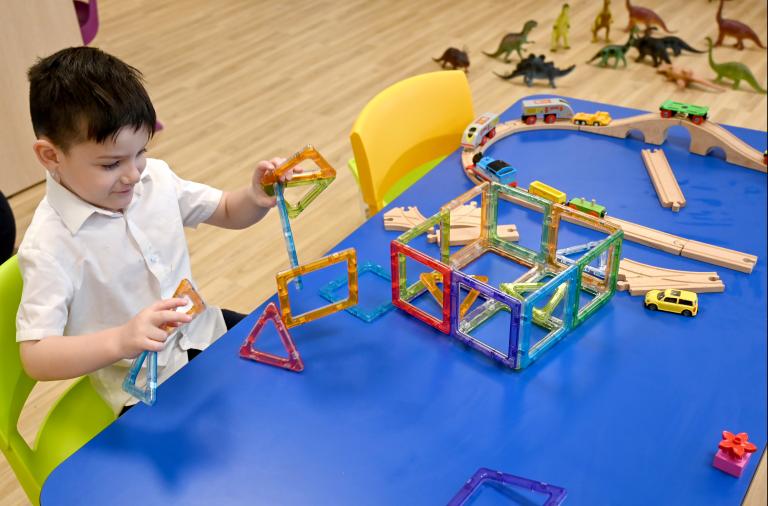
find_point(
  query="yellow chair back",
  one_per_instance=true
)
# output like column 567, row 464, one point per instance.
column 407, row 125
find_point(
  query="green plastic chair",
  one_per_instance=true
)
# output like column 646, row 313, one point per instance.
column 78, row 415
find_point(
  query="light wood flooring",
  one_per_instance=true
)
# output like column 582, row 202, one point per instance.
column 237, row 81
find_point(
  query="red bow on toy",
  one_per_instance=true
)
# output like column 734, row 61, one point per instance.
column 737, row 444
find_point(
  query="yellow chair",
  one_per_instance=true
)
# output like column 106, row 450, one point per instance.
column 78, row 415
column 407, row 129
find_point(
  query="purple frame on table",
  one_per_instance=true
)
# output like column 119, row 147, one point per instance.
column 555, row 494
column 511, row 358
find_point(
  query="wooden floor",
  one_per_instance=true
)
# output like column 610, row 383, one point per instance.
column 237, row 81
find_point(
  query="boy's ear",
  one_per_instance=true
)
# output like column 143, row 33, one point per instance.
column 48, row 155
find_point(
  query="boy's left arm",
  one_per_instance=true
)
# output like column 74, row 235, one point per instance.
column 244, row 207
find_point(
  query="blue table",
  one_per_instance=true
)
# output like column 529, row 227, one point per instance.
column 627, row 409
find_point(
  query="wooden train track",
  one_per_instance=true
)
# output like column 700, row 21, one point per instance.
column 637, row 278
column 654, row 128
column 676, row 245
column 688, row 248
column 663, row 179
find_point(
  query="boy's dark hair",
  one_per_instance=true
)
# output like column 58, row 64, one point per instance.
column 83, row 93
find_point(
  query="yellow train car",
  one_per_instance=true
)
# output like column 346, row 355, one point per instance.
column 545, row 191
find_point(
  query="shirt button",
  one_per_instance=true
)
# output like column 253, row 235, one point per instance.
column 153, row 259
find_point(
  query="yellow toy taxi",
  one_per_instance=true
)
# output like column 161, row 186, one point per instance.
column 600, row 118
column 674, row 301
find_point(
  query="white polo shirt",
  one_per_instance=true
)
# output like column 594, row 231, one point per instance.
column 86, row 269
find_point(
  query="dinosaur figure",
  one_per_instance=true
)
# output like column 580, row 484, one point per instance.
column 603, row 20
column 645, row 16
column 534, row 67
column 683, row 77
column 651, row 46
column 735, row 29
column 614, row 51
column 560, row 29
column 456, row 58
column 736, row 71
column 514, row 42
column 676, row 44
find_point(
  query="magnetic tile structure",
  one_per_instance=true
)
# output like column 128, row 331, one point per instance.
column 148, row 394
column 328, row 292
column 293, row 362
column 318, row 180
column 283, row 278
column 549, row 283
column 551, row 494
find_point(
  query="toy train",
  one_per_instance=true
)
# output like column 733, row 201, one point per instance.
column 479, row 131
column 696, row 113
column 491, row 169
column 550, row 109
column 585, row 206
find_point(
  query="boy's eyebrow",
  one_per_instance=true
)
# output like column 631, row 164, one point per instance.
column 117, row 156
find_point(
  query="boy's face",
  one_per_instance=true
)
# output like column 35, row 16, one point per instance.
column 104, row 174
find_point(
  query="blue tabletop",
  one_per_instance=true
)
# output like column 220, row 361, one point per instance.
column 627, row 409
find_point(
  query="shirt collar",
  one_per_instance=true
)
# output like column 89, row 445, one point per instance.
column 73, row 210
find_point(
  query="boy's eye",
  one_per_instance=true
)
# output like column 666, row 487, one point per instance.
column 112, row 165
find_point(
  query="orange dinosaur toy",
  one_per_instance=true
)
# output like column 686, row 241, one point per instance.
column 645, row 16
column 735, row 29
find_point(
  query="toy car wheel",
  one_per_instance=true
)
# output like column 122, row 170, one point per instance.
column 596, row 123
column 549, row 118
column 697, row 120
column 666, row 114
column 687, row 313
column 529, row 120
column 492, row 133
column 652, row 307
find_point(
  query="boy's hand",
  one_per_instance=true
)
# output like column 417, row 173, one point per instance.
column 145, row 330
column 260, row 197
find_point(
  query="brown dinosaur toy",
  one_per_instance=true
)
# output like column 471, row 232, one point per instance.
column 683, row 77
column 735, row 29
column 645, row 16
column 603, row 20
column 456, row 58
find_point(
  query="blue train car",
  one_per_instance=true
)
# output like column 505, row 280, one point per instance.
column 494, row 170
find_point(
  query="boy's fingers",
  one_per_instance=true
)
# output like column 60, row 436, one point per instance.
column 152, row 345
column 170, row 303
column 158, row 335
column 165, row 317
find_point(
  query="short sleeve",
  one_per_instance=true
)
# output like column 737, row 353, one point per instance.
column 197, row 201
column 46, row 295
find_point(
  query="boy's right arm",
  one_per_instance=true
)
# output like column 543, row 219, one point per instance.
column 64, row 357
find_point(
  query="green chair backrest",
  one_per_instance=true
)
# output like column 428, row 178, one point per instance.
column 78, row 415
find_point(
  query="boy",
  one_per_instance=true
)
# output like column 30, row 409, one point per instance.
column 106, row 247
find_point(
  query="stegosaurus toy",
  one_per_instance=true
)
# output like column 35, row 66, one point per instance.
column 535, row 67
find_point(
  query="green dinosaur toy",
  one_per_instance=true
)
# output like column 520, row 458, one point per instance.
column 614, row 51
column 560, row 29
column 514, row 42
column 736, row 71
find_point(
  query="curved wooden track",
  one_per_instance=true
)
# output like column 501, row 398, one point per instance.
column 704, row 137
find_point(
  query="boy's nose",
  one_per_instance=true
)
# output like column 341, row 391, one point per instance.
column 131, row 175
